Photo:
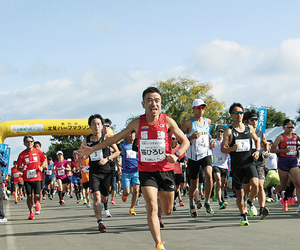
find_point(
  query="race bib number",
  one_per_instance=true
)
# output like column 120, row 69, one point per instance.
column 61, row 172
column 31, row 173
column 49, row 172
column 16, row 175
column 97, row 155
column 130, row 154
column 243, row 145
column 293, row 150
column 152, row 150
column 202, row 146
column 86, row 169
column 220, row 159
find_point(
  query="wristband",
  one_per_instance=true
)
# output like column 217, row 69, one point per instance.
column 177, row 154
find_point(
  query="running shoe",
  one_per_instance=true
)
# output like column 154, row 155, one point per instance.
column 112, row 202
column 174, row 207
column 244, row 221
column 101, row 227
column 84, row 201
column 298, row 209
column 137, row 203
column 291, row 201
column 37, row 208
column 161, row 223
column 181, row 204
column 102, row 206
column 31, row 216
column 78, row 202
column 51, row 197
column 63, row 201
column 208, row 209
column 199, row 204
column 264, row 213
column 88, row 205
column 252, row 210
column 44, row 198
column 124, row 198
column 107, row 213
column 285, row 206
column 193, row 211
column 16, row 202
column 131, row 211
column 295, row 199
column 3, row 220
column 274, row 196
column 221, row 206
column 160, row 246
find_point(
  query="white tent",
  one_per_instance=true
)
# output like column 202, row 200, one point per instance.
column 272, row 133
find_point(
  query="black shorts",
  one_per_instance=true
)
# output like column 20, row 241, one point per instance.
column 222, row 171
column 194, row 166
column 18, row 185
column 32, row 185
column 48, row 181
column 239, row 175
column 178, row 178
column 64, row 181
column 100, row 182
column 163, row 181
column 261, row 174
column 86, row 185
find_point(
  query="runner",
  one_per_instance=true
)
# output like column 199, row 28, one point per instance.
column 156, row 168
column 287, row 160
column 99, row 172
column 130, row 174
column 199, row 154
column 3, row 163
column 61, row 166
column 49, row 180
column 18, row 182
column 76, row 177
column 31, row 162
column 220, row 167
column 237, row 141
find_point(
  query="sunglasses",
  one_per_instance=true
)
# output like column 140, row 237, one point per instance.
column 28, row 141
column 253, row 119
column 106, row 126
column 203, row 107
column 237, row 112
column 220, row 131
column 289, row 126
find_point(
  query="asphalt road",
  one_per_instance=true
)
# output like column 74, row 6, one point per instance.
column 74, row 226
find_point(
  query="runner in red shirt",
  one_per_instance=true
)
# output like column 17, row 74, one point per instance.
column 18, row 182
column 31, row 162
column 156, row 168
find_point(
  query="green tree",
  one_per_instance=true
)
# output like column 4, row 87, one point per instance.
column 65, row 143
column 178, row 95
column 298, row 114
column 274, row 118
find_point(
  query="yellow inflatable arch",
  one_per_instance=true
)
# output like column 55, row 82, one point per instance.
column 44, row 127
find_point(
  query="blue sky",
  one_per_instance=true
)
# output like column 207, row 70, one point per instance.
column 70, row 59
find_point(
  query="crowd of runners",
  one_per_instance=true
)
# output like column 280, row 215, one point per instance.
column 155, row 158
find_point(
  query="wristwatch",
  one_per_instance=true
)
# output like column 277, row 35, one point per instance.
column 177, row 154
column 108, row 158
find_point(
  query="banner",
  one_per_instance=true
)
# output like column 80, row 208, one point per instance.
column 262, row 118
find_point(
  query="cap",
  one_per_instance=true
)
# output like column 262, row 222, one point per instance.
column 198, row 102
column 75, row 152
column 220, row 127
column 49, row 158
column 59, row 153
column 69, row 159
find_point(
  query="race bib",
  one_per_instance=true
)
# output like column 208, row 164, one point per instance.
column 293, row 150
column 220, row 159
column 49, row 172
column 16, row 175
column 243, row 145
column 202, row 146
column 86, row 169
column 130, row 154
column 97, row 155
column 152, row 150
column 61, row 172
column 31, row 173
